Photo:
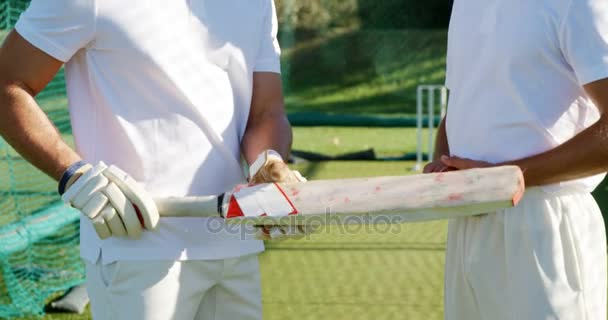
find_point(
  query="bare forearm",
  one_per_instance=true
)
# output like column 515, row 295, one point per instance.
column 267, row 131
column 584, row 155
column 28, row 130
column 441, row 142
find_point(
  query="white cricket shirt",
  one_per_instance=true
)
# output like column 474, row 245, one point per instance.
column 145, row 81
column 515, row 70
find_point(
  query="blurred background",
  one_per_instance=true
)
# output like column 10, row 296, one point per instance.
column 363, row 83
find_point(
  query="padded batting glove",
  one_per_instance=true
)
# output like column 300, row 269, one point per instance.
column 269, row 167
column 115, row 203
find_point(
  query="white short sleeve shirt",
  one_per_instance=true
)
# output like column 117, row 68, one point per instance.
column 146, row 82
column 516, row 70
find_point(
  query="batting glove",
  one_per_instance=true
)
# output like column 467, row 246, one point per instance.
column 115, row 203
column 269, row 167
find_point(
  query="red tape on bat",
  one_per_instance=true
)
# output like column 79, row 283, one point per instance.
column 234, row 210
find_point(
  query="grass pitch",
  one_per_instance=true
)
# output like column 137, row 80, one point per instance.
column 357, row 272
column 386, row 142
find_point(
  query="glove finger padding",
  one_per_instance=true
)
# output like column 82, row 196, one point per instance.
column 124, row 211
column 79, row 185
column 101, row 227
column 136, row 195
column 113, row 222
column 94, row 185
column 88, row 197
column 94, row 206
column 110, row 198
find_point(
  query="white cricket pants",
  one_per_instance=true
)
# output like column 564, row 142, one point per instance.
column 544, row 259
column 181, row 290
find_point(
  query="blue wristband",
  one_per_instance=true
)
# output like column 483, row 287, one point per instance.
column 69, row 172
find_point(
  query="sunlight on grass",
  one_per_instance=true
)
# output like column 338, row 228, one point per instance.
column 386, row 142
column 331, row 275
column 363, row 71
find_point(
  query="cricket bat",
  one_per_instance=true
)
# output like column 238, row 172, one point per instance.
column 396, row 199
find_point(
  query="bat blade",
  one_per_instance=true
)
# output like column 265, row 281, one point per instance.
column 399, row 199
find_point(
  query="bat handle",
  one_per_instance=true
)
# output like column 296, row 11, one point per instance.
column 204, row 206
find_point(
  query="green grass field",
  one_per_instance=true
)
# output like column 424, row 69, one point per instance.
column 353, row 273
column 379, row 273
column 386, row 142
column 356, row 71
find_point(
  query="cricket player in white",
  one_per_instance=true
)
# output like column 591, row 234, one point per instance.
column 169, row 94
column 528, row 86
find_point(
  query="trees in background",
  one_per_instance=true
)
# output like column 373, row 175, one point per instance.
column 373, row 14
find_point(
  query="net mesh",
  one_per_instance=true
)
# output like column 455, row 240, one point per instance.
column 39, row 256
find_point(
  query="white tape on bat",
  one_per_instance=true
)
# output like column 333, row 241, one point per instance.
column 261, row 200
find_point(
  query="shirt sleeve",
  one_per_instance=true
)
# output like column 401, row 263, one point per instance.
column 58, row 27
column 584, row 39
column 269, row 54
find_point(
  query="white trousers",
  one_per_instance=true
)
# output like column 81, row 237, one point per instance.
column 544, row 259
column 181, row 290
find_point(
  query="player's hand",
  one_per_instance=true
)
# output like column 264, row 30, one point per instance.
column 116, row 204
column 270, row 167
column 437, row 166
column 462, row 163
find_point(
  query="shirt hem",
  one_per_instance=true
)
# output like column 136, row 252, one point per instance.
column 209, row 252
column 268, row 66
column 594, row 73
column 42, row 43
